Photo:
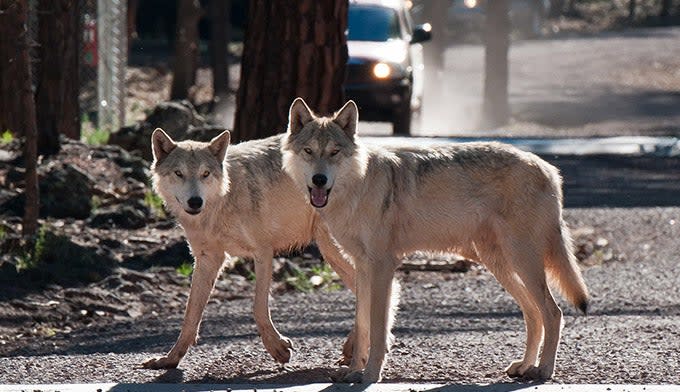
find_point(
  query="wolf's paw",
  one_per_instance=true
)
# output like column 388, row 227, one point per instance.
column 538, row 373
column 371, row 376
column 516, row 369
column 160, row 363
column 354, row 377
column 529, row 372
column 347, row 351
column 279, row 348
column 344, row 360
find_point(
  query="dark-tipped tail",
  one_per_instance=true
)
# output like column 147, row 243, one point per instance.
column 564, row 271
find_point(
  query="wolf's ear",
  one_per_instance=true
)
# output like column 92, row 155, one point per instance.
column 348, row 118
column 161, row 144
column 218, row 145
column 299, row 115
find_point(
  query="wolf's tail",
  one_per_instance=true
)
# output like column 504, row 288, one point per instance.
column 560, row 264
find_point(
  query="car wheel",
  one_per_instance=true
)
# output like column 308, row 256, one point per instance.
column 401, row 122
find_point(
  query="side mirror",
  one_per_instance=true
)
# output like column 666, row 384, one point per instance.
column 421, row 33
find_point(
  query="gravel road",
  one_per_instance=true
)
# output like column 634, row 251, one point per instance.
column 613, row 83
column 457, row 328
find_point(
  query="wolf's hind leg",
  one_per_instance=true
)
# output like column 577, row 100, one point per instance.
column 206, row 269
column 279, row 346
column 552, row 322
column 528, row 265
column 496, row 259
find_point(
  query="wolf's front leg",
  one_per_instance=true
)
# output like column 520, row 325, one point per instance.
column 361, row 324
column 381, row 276
column 206, row 269
column 279, row 346
column 343, row 267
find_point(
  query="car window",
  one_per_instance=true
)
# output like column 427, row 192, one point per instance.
column 372, row 23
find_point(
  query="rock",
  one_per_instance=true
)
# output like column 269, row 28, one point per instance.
column 65, row 191
column 126, row 216
column 174, row 117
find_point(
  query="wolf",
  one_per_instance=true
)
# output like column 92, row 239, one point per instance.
column 488, row 202
column 237, row 201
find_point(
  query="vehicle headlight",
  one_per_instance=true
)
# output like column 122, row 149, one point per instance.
column 382, row 70
column 470, row 3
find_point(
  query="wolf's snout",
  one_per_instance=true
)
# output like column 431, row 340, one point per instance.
column 195, row 202
column 319, row 180
column 319, row 194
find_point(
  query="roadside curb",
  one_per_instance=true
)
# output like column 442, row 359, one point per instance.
column 112, row 387
column 621, row 145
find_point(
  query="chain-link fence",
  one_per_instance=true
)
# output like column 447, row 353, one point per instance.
column 112, row 51
column 104, row 60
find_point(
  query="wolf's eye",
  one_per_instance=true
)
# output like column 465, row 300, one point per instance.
column 206, row 174
column 178, row 173
column 335, row 152
column 308, row 150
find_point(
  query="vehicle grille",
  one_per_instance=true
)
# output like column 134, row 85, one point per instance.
column 360, row 73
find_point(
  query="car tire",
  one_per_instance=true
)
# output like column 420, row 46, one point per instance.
column 401, row 122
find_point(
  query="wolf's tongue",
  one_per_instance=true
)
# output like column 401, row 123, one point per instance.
column 319, row 197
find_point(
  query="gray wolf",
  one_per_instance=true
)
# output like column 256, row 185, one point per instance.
column 236, row 200
column 486, row 201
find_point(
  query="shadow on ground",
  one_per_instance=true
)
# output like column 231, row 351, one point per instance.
column 619, row 180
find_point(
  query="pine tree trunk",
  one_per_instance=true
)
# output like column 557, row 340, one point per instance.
column 132, row 8
column 436, row 14
column 496, row 109
column 221, row 36
column 57, row 70
column 632, row 9
column 665, row 12
column 11, row 29
column 16, row 66
column 291, row 49
column 186, row 48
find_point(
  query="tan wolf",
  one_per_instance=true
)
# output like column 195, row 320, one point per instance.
column 238, row 202
column 489, row 202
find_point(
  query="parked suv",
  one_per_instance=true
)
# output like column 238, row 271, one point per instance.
column 385, row 70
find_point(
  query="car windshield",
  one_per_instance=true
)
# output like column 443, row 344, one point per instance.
column 372, row 23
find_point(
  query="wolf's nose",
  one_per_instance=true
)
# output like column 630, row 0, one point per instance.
column 195, row 202
column 319, row 180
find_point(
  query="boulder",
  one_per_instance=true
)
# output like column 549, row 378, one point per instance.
column 133, row 215
column 65, row 191
column 176, row 118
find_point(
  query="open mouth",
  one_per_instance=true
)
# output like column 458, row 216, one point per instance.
column 319, row 196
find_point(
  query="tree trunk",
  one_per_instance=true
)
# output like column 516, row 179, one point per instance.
column 57, row 71
column 632, row 8
column 665, row 12
column 11, row 112
column 436, row 14
column 13, row 19
column 571, row 8
column 132, row 8
column 291, row 49
column 219, row 42
column 496, row 108
column 186, row 48
column 556, row 8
